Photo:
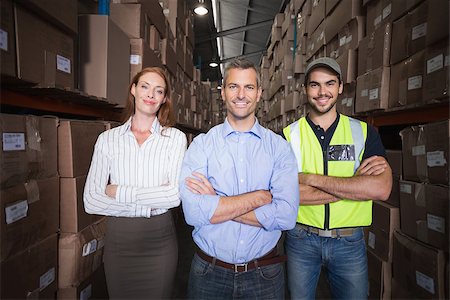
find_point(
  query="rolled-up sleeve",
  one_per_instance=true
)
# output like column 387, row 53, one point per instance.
column 198, row 209
column 281, row 214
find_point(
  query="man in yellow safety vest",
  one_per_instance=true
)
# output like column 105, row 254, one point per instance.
column 341, row 169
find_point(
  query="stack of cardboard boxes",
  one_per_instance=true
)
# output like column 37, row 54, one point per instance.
column 421, row 247
column 30, row 207
column 360, row 36
column 49, row 246
column 67, row 45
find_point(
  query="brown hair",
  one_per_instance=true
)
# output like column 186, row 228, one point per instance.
column 242, row 64
column 165, row 113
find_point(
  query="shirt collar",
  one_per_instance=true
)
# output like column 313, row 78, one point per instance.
column 156, row 126
column 227, row 129
column 311, row 123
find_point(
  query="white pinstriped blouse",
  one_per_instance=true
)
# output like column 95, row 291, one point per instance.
column 147, row 176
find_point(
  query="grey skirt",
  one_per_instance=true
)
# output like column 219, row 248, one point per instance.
column 140, row 257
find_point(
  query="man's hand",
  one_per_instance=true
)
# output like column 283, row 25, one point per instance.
column 200, row 184
column 374, row 165
column 111, row 190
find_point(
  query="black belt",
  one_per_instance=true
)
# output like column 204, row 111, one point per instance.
column 333, row 233
column 269, row 259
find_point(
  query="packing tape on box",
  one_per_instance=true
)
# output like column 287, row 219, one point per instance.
column 33, row 136
column 32, row 189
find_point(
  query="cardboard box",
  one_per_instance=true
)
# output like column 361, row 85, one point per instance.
column 348, row 61
column 385, row 219
column 104, row 58
column 414, row 153
column 94, row 287
column 379, row 13
column 45, row 53
column 437, row 149
column 7, row 40
column 436, row 76
column 406, row 81
column 132, row 19
column 141, row 57
column 380, row 275
column 76, row 140
column 342, row 14
column 73, row 218
column 80, row 254
column 346, row 101
column 316, row 40
column 347, row 38
column 374, row 50
column 372, row 90
column 292, row 101
column 317, row 15
column 424, row 213
column 418, row 268
column 30, row 213
column 29, row 148
column 63, row 14
column 394, row 158
column 31, row 274
column 424, row 25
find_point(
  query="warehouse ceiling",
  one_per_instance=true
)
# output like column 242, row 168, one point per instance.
column 241, row 29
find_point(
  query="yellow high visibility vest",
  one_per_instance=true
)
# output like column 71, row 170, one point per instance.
column 343, row 157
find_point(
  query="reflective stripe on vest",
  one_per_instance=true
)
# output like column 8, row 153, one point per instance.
column 344, row 156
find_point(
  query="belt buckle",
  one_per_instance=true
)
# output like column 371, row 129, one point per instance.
column 325, row 233
column 236, row 266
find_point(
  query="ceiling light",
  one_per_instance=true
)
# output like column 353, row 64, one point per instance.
column 201, row 10
column 213, row 64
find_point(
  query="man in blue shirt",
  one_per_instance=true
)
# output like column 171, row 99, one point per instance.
column 239, row 190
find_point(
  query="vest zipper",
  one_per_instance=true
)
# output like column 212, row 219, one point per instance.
column 327, row 206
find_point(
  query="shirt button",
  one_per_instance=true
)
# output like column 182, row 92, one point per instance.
column 322, row 137
column 241, row 242
column 242, row 180
column 241, row 159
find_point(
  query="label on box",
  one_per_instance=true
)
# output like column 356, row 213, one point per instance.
column 349, row 102
column 405, row 188
column 419, row 31
column 371, row 240
column 377, row 20
column 348, row 39
column 435, row 63
column 436, row 159
column 364, row 93
column 344, row 102
column 86, row 293
column 3, row 40
column 418, row 150
column 415, row 82
column 90, row 247
column 101, row 244
column 425, row 282
column 387, row 11
column 63, row 64
column 13, row 141
column 373, row 94
column 16, row 211
column 342, row 41
column 46, row 279
column 436, row 223
column 135, row 59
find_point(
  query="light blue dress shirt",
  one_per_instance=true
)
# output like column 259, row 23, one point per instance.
column 236, row 163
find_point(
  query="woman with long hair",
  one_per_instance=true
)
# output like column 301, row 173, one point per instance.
column 133, row 179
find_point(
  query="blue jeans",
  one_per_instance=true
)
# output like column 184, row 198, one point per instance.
column 208, row 281
column 343, row 258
